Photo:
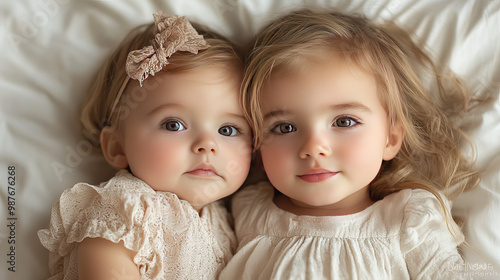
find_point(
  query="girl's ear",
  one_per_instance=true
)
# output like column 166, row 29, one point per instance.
column 112, row 148
column 394, row 141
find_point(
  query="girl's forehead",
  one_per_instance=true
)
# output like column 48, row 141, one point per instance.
column 296, row 60
column 331, row 75
column 319, row 62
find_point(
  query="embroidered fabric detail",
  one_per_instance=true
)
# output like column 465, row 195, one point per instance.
column 170, row 238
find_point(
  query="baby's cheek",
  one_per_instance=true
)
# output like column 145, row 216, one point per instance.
column 161, row 159
column 234, row 168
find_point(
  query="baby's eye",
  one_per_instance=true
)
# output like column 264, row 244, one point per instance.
column 228, row 130
column 173, row 125
column 344, row 122
column 283, row 128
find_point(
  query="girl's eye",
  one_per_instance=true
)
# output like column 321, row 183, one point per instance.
column 283, row 128
column 344, row 122
column 173, row 125
column 228, row 130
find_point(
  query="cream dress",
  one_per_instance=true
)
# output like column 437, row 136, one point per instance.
column 403, row 236
column 171, row 239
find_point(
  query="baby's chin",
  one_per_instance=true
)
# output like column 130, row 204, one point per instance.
column 205, row 196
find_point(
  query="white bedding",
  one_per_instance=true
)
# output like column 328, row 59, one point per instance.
column 51, row 48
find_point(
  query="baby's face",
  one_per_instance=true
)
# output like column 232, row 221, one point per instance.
column 187, row 135
column 325, row 136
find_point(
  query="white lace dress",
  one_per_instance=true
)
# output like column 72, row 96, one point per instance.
column 403, row 236
column 171, row 239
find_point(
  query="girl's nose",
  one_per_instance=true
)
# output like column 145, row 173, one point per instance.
column 315, row 145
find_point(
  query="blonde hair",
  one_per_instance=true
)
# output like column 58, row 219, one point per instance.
column 430, row 157
column 111, row 76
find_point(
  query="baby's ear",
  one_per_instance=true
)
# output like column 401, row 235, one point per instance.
column 112, row 148
column 394, row 141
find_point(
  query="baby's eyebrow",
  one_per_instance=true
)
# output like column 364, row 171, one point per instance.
column 164, row 107
column 237, row 116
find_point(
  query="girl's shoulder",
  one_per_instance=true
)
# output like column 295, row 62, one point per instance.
column 429, row 237
column 425, row 218
column 419, row 201
column 416, row 207
column 410, row 200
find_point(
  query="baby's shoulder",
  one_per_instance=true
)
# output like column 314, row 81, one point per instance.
column 124, row 194
column 125, row 182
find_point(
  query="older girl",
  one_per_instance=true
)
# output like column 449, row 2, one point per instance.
column 360, row 152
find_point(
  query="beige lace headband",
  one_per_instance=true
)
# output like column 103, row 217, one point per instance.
column 172, row 34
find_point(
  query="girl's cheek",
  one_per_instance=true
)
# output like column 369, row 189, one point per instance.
column 276, row 157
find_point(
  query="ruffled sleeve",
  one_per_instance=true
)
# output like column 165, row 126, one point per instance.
column 118, row 210
column 90, row 211
column 427, row 245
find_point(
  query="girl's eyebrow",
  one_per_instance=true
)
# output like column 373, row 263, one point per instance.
column 275, row 113
column 336, row 107
column 351, row 106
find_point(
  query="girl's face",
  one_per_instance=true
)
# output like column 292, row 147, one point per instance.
column 326, row 135
column 187, row 134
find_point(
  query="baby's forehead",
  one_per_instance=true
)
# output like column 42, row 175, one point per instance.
column 205, row 74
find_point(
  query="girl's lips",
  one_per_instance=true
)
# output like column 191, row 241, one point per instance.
column 316, row 176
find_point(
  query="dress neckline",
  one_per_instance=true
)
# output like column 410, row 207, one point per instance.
column 271, row 192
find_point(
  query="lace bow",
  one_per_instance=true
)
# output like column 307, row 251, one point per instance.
column 172, row 34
